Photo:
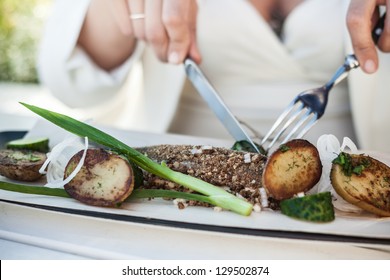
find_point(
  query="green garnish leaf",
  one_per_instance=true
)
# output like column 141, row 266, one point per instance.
column 245, row 146
column 313, row 208
column 217, row 196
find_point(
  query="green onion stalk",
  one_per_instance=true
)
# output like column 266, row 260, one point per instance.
column 136, row 194
column 215, row 195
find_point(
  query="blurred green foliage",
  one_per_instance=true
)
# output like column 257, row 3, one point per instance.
column 21, row 27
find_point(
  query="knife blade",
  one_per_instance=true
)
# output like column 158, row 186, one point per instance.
column 215, row 102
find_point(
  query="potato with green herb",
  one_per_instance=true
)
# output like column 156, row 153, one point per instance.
column 293, row 168
column 105, row 179
column 21, row 165
column 362, row 181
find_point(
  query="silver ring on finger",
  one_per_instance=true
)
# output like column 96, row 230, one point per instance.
column 137, row 16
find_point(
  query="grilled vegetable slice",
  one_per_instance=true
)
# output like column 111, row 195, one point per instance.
column 34, row 144
column 362, row 181
column 293, row 168
column 105, row 179
column 314, row 208
column 21, row 165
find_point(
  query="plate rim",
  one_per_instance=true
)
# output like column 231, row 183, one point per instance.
column 255, row 232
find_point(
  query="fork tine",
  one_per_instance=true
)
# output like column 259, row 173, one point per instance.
column 308, row 126
column 309, row 113
column 287, row 124
column 306, row 116
column 280, row 120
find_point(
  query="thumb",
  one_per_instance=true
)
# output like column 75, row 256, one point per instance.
column 367, row 56
column 359, row 27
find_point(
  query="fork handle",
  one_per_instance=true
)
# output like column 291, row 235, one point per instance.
column 378, row 29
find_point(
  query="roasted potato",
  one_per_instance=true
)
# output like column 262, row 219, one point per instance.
column 362, row 181
column 293, row 168
column 21, row 165
column 105, row 179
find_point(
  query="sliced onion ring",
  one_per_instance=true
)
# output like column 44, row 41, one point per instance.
column 329, row 147
column 58, row 159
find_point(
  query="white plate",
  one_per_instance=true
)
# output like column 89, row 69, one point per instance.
column 203, row 224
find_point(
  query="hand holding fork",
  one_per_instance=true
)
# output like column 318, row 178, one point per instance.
column 309, row 106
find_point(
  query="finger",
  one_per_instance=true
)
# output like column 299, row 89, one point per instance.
column 120, row 10
column 175, row 19
column 156, row 34
column 194, row 52
column 359, row 25
column 137, row 8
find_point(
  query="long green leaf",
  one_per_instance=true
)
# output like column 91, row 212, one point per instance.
column 29, row 189
column 136, row 194
column 217, row 195
column 154, row 193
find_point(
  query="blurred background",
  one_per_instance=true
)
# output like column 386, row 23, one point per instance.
column 21, row 27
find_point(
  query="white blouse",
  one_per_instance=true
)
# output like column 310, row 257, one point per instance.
column 256, row 73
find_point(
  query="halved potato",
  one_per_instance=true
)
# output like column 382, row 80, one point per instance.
column 21, row 165
column 293, row 168
column 105, row 179
column 362, row 181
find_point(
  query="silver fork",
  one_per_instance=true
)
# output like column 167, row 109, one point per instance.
column 309, row 106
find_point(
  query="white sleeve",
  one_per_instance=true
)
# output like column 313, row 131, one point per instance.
column 66, row 69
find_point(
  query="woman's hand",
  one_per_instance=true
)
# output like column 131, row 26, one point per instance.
column 169, row 26
column 361, row 18
column 109, row 32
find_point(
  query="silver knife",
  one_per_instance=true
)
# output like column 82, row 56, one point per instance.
column 215, row 102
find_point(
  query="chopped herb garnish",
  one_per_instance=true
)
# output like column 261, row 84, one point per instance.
column 358, row 169
column 20, row 156
column 349, row 166
column 284, row 148
column 245, row 146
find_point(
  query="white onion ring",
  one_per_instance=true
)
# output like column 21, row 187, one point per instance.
column 58, row 159
column 329, row 147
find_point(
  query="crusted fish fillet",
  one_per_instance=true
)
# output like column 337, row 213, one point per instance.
column 238, row 172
